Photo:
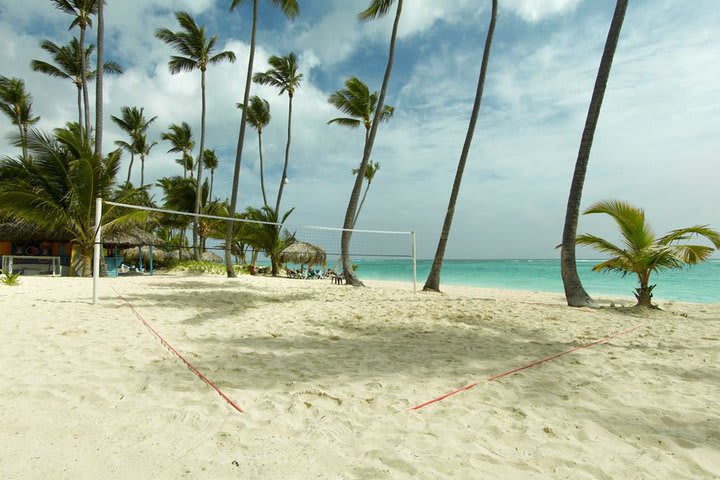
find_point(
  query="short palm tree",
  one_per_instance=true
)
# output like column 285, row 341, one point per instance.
column 370, row 172
column 68, row 65
column 432, row 283
column 55, row 191
column 268, row 236
column 82, row 10
column 211, row 163
column 356, row 101
column 575, row 294
column 642, row 253
column 132, row 121
column 181, row 138
column 291, row 9
column 196, row 53
column 258, row 116
column 377, row 9
column 16, row 103
column 285, row 77
column 143, row 148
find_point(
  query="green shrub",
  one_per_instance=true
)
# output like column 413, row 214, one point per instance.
column 10, row 279
column 200, row 267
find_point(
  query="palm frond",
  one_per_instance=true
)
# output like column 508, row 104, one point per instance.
column 377, row 9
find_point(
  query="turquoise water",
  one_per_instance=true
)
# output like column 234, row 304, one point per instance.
column 699, row 283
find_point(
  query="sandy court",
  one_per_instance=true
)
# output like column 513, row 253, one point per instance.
column 326, row 373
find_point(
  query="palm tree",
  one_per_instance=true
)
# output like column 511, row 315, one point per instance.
column 284, row 76
column 132, row 121
column 196, row 52
column 55, row 190
column 264, row 233
column 69, row 65
column 211, row 163
column 377, row 8
column 433, row 281
column 82, row 10
column 16, row 103
column 575, row 294
column 181, row 139
column 370, row 172
column 642, row 253
column 290, row 9
column 100, row 75
column 258, row 116
column 143, row 148
column 356, row 101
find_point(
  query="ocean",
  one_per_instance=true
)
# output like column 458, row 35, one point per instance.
column 698, row 283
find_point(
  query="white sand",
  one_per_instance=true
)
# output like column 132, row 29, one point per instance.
column 325, row 374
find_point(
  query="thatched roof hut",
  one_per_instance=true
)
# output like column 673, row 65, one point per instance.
column 131, row 237
column 21, row 232
column 303, row 252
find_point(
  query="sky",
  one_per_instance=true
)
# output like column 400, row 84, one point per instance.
column 657, row 144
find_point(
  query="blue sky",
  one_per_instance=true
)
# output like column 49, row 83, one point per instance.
column 657, row 143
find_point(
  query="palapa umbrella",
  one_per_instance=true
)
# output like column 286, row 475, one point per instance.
column 303, row 252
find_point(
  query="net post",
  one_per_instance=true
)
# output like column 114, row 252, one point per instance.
column 414, row 262
column 96, row 249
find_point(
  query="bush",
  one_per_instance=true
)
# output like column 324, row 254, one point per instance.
column 201, row 267
column 10, row 279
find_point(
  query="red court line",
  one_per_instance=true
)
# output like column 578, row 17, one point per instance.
column 170, row 347
column 524, row 367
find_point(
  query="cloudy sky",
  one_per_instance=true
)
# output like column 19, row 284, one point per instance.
column 657, row 143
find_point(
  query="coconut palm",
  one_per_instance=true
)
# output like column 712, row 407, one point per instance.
column 370, row 172
column 433, row 281
column 291, row 9
column 642, row 253
column 69, row 65
column 211, row 163
column 132, row 121
column 377, row 8
column 264, row 233
column 356, row 101
column 181, row 138
column 258, row 116
column 575, row 294
column 55, row 191
column 99, row 78
column 143, row 148
column 196, row 53
column 284, row 76
column 82, row 10
column 16, row 103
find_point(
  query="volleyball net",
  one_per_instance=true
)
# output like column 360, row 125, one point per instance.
column 376, row 251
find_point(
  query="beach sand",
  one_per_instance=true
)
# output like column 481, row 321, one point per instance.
column 325, row 375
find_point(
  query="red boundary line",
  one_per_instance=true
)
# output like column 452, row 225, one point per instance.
column 524, row 367
column 170, row 347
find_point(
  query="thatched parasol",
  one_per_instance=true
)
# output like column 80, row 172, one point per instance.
column 131, row 237
column 21, row 232
column 303, row 252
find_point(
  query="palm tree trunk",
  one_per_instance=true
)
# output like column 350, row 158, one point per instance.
column 262, row 175
column 212, row 181
column 80, row 116
column 362, row 202
column 238, row 153
column 86, row 98
column 142, row 169
column 575, row 294
column 198, row 177
column 287, row 157
column 23, row 140
column 433, row 281
column 350, row 277
column 99, row 80
column 132, row 160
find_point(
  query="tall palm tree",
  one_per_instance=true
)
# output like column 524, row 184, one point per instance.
column 99, row 101
column 132, row 121
column 16, row 103
column 356, row 101
column 68, row 65
column 575, row 294
column 258, row 116
column 196, row 53
column 370, row 172
column 284, row 76
column 55, row 191
column 211, row 163
column 181, row 141
column 291, row 9
column 433, row 281
column 641, row 252
column 82, row 10
column 377, row 8
column 188, row 164
column 143, row 148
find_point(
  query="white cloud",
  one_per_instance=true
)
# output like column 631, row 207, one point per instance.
column 535, row 10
